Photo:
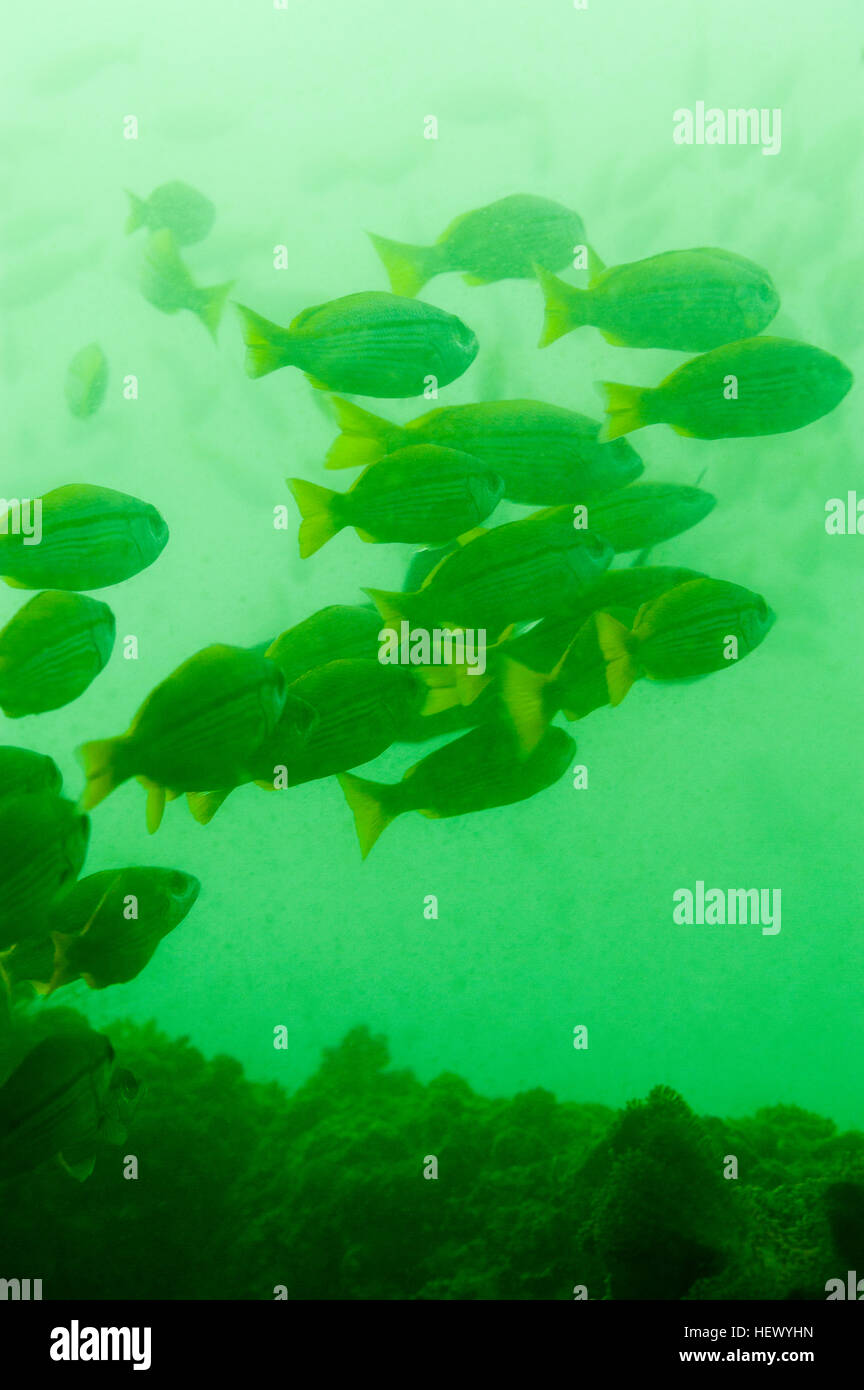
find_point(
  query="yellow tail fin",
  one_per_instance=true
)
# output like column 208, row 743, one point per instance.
column 266, row 346
column 392, row 607
column 210, row 305
column 625, row 409
column 614, row 640
column 365, row 437
column 408, row 267
column 316, row 508
column 204, row 805
column 522, row 693
column 367, row 802
column 566, row 306
column 99, row 761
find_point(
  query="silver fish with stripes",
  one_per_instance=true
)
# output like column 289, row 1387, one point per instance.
column 366, row 344
column 52, row 650
column 87, row 538
column 422, row 494
column 43, row 844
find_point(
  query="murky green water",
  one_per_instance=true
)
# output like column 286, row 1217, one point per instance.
column 305, row 126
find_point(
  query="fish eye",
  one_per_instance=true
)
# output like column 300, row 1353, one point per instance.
column 178, row 882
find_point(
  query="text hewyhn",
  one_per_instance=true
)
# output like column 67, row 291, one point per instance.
column 735, row 126
column 718, row 907
column 76, row 1343
column 21, row 517
column 440, row 647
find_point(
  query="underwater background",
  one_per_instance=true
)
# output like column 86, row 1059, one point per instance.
column 305, row 126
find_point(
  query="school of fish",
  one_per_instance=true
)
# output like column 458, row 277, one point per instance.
column 566, row 627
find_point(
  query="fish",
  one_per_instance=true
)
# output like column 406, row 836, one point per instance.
column 513, row 573
column 175, row 206
column 577, row 684
column 198, row 729
column 91, row 537
column 419, row 493
column 167, row 284
column 501, row 241
column 22, row 770
column 52, row 650
column 43, row 845
column 476, row 772
column 692, row 630
column 684, row 301
column 340, row 632
column 541, row 647
column 360, row 707
column 107, row 928
column 86, row 381
column 753, row 387
column 56, row 1103
column 639, row 516
column 366, row 344
column 545, row 454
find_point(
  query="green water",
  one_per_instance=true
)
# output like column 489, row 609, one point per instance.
column 305, row 126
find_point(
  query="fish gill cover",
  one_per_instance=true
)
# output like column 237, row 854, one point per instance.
column 514, row 819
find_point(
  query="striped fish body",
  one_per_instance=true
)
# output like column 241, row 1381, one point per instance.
column 422, row 494
column 545, row 454
column 340, row 632
column 54, row 1101
column 43, row 844
column 98, row 940
column 781, row 385
column 92, row 537
column 513, row 573
column 51, row 651
column 22, row 771
column 684, row 633
column 481, row 770
column 505, row 239
column 378, row 344
column 542, row 646
column 200, row 728
column 360, row 706
column 686, row 301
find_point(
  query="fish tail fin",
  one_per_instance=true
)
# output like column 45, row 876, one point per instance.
column 566, row 306
column 522, row 692
column 394, row 608
column 438, row 699
column 266, row 344
column 102, row 768
column 204, row 805
column 137, row 212
column 365, row 437
column 470, row 684
column 614, row 640
column 319, row 525
column 625, row 409
column 408, row 267
column 369, row 806
column 210, row 305
column 595, row 265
